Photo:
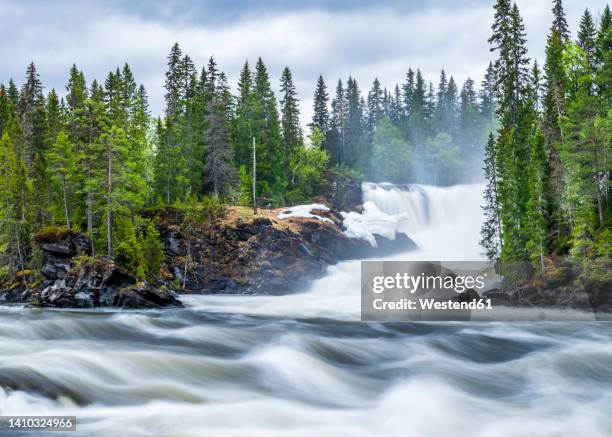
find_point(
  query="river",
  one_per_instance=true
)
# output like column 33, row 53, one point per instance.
column 304, row 365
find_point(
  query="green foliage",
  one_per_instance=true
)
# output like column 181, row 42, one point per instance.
column 138, row 248
column 391, row 154
column 308, row 164
column 212, row 209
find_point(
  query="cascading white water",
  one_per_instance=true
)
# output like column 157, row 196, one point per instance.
column 297, row 365
column 443, row 221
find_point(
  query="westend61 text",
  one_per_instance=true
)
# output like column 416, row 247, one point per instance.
column 431, row 304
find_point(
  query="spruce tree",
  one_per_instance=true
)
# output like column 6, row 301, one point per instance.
column 356, row 152
column 586, row 38
column 537, row 207
column 487, row 97
column 559, row 22
column 604, row 59
column 271, row 177
column 375, row 107
column 491, row 228
column 338, row 123
column 242, row 131
column 218, row 170
column 32, row 112
column 320, row 117
column 408, row 92
column 62, row 166
column 16, row 197
column 291, row 131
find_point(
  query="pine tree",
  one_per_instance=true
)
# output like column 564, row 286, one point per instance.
column 417, row 120
column 535, row 86
column 408, row 92
column 604, row 59
column 242, row 131
column 559, row 22
column 5, row 108
column 487, row 97
column 355, row 128
column 491, row 229
column 266, row 130
column 62, row 165
column 537, row 207
column 450, row 107
column 584, row 154
column 375, row 107
column 15, row 200
column 174, row 83
column 469, row 120
column 441, row 110
column 32, row 112
column 218, row 170
column 337, row 136
column 320, row 117
column 291, row 131
column 508, row 40
column 55, row 117
column 586, row 38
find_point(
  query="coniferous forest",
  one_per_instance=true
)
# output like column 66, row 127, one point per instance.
column 548, row 165
column 93, row 158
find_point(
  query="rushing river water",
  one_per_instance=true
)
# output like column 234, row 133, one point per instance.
column 304, row 365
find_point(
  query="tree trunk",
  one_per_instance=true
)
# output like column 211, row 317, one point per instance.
column 254, row 178
column 599, row 204
column 90, row 213
column 65, row 201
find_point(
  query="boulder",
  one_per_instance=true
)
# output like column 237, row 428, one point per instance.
column 101, row 283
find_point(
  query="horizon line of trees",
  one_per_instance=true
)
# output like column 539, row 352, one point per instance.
column 548, row 164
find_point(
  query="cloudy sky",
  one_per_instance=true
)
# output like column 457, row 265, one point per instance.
column 336, row 38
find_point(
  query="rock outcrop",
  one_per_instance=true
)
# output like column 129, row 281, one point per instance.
column 71, row 278
column 100, row 282
column 261, row 254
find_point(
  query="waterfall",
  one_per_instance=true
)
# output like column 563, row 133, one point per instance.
column 443, row 221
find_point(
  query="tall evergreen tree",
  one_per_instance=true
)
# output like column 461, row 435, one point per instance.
column 217, row 170
column 242, row 126
column 320, row 117
column 337, row 138
column 32, row 112
column 266, row 130
column 537, row 207
column 559, row 22
column 291, row 131
column 491, row 229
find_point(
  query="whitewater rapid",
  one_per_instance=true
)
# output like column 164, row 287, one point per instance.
column 444, row 222
column 303, row 365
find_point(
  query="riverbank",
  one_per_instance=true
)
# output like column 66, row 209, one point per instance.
column 272, row 252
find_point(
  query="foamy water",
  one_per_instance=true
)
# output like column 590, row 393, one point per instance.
column 304, row 365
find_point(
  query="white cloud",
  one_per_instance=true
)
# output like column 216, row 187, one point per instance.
column 368, row 43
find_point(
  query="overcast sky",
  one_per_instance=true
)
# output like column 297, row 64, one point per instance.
column 336, row 38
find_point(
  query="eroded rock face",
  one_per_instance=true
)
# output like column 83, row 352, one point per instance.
column 73, row 279
column 264, row 255
column 101, row 283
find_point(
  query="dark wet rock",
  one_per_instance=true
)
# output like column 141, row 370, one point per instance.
column 497, row 297
column 264, row 254
column 343, row 192
column 469, row 295
column 74, row 279
column 101, row 283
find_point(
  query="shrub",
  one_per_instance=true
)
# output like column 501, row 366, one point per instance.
column 50, row 234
